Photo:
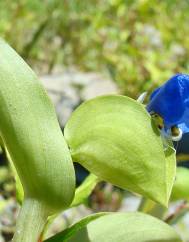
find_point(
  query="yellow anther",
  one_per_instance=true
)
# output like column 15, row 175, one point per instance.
column 158, row 120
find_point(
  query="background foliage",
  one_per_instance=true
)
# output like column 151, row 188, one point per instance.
column 140, row 43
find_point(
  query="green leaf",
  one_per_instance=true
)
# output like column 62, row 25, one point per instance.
column 19, row 187
column 118, row 227
column 84, row 190
column 30, row 132
column 170, row 156
column 115, row 138
column 181, row 186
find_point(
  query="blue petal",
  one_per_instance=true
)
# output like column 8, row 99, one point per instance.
column 154, row 93
column 184, row 128
column 171, row 102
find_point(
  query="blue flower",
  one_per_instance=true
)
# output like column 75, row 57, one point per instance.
column 171, row 103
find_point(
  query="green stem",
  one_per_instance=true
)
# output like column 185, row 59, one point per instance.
column 152, row 208
column 30, row 222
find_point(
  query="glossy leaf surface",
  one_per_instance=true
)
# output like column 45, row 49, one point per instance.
column 30, row 132
column 115, row 138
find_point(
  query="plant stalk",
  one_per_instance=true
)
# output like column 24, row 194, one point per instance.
column 31, row 220
column 152, row 208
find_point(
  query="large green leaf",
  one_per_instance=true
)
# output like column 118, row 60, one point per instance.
column 116, row 139
column 181, row 186
column 118, row 227
column 30, row 132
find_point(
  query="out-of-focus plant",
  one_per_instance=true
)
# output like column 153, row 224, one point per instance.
column 140, row 43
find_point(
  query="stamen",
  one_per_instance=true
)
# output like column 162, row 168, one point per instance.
column 176, row 133
column 158, row 120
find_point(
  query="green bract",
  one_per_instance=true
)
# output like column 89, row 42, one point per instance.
column 115, row 138
column 118, row 227
column 31, row 134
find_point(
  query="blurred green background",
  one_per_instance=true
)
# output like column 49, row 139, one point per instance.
column 139, row 43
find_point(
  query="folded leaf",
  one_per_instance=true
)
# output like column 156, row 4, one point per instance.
column 118, row 227
column 115, row 138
